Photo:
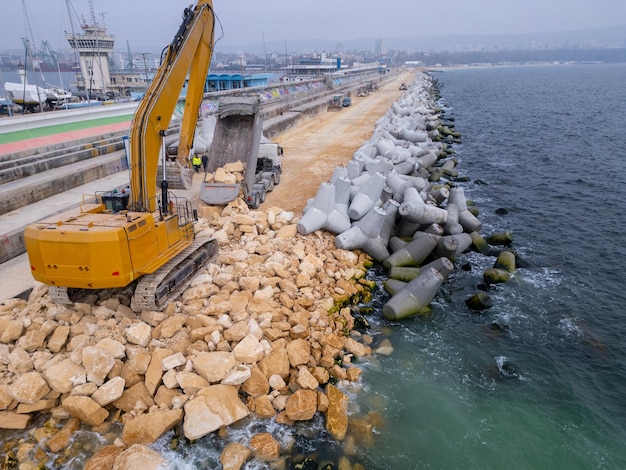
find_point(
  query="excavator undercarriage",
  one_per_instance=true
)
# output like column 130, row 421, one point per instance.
column 154, row 291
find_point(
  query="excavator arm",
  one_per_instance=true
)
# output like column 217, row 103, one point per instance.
column 189, row 53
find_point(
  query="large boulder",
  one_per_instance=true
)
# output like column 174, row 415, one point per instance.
column 212, row 407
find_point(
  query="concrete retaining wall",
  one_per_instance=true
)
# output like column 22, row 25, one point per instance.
column 12, row 243
column 21, row 196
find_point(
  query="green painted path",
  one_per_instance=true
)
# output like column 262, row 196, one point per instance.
column 50, row 135
column 36, row 132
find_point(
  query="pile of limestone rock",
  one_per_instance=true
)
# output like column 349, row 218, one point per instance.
column 265, row 330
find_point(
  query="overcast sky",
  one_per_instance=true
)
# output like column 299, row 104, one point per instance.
column 153, row 23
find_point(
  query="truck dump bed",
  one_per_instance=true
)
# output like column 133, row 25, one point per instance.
column 237, row 136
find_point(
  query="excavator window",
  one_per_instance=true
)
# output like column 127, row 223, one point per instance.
column 117, row 199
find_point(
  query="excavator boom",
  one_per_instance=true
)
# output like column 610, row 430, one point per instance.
column 189, row 53
column 137, row 235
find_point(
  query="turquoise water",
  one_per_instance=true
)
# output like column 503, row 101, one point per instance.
column 544, row 389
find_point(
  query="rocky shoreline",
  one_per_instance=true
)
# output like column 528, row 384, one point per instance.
column 266, row 330
column 269, row 330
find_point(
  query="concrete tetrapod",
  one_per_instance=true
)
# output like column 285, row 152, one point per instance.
column 502, row 269
column 377, row 245
column 415, row 296
column 406, row 274
column 413, row 253
column 468, row 221
column 413, row 136
column 451, row 246
column 392, row 286
column 379, row 165
column 452, row 225
column 367, row 196
column 338, row 220
column 364, row 235
column 316, row 214
column 414, row 209
column 399, row 184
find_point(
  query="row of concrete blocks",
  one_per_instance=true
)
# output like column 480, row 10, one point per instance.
column 384, row 197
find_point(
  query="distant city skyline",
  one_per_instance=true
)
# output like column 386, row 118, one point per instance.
column 152, row 24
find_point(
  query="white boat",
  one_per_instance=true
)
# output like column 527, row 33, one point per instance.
column 58, row 95
column 69, row 104
column 29, row 95
column 25, row 94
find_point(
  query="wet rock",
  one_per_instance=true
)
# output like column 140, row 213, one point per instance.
column 147, row 428
column 302, row 405
column 234, row 456
column 356, row 348
column 211, row 408
column 62, row 438
column 385, row 348
column 28, row 388
column 264, row 446
column 103, row 458
column 139, row 456
column 337, row 413
column 85, row 409
column 10, row 420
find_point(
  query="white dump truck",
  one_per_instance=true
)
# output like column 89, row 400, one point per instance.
column 238, row 137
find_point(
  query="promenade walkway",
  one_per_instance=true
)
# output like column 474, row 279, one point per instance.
column 48, row 135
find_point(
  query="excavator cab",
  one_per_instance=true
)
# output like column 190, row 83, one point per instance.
column 117, row 199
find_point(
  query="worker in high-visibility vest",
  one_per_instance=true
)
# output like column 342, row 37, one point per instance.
column 196, row 161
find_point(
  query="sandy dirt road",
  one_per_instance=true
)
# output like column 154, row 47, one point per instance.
column 316, row 146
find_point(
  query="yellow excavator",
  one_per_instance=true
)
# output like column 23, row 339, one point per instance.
column 138, row 233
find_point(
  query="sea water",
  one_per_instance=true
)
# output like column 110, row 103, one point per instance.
column 538, row 380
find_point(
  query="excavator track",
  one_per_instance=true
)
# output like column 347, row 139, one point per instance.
column 59, row 295
column 155, row 291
